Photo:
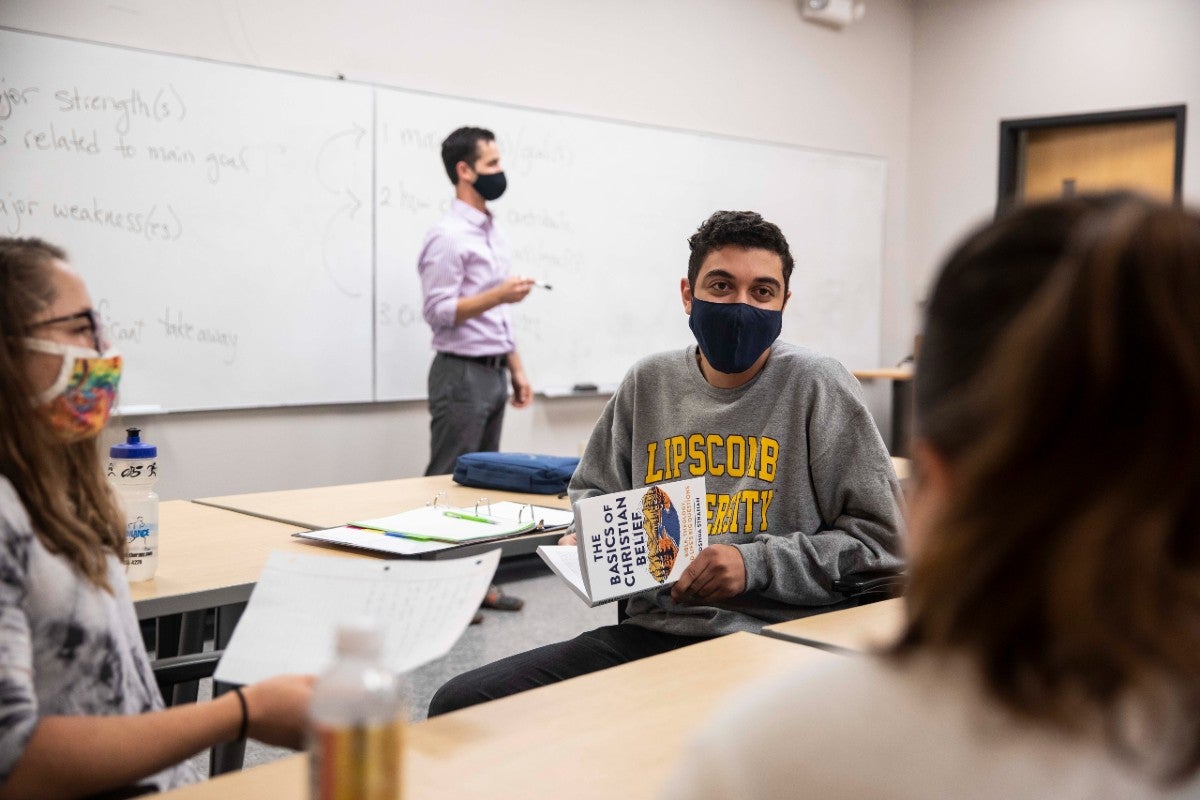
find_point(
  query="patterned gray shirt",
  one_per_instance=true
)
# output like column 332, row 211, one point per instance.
column 66, row 647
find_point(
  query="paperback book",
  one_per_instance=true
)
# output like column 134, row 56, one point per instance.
column 630, row 542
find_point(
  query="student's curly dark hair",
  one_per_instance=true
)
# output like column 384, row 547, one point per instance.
column 740, row 229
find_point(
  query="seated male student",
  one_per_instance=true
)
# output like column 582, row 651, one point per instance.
column 800, row 487
column 1051, row 646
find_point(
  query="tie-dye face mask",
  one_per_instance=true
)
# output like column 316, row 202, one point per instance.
column 79, row 402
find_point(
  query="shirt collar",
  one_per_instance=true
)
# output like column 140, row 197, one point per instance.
column 471, row 214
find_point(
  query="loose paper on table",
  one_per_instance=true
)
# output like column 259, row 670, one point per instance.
column 292, row 617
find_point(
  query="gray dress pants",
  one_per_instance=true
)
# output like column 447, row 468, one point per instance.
column 466, row 402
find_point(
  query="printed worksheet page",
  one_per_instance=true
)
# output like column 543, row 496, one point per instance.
column 299, row 601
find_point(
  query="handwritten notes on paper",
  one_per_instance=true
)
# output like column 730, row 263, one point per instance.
column 290, row 623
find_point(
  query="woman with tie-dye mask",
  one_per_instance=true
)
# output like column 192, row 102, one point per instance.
column 75, row 682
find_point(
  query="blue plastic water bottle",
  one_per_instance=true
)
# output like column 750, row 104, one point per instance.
column 133, row 470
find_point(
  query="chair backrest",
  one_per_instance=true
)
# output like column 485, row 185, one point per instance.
column 183, row 670
column 869, row 587
column 173, row 670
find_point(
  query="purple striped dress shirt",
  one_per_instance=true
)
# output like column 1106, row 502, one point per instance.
column 463, row 255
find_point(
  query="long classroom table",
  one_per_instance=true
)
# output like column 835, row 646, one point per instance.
column 331, row 506
column 902, row 392
column 212, row 551
column 614, row 733
column 208, row 557
column 851, row 630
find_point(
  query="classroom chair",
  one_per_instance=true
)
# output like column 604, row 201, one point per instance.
column 862, row 588
column 185, row 671
column 858, row 589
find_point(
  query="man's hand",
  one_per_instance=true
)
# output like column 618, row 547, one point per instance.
column 568, row 540
column 522, row 392
column 514, row 289
column 717, row 573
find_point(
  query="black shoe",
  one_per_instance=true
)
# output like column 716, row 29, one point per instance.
column 500, row 601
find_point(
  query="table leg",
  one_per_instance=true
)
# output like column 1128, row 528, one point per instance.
column 227, row 757
column 902, row 392
column 191, row 640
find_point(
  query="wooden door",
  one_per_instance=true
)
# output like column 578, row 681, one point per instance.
column 1138, row 155
column 1047, row 157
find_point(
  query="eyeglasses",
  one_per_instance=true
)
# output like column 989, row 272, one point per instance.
column 95, row 326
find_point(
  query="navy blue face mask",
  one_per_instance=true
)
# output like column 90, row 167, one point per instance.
column 733, row 335
column 490, row 187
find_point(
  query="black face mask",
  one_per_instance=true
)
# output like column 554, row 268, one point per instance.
column 490, row 187
column 733, row 335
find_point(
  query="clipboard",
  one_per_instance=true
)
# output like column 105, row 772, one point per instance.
column 443, row 524
column 547, row 519
column 421, row 531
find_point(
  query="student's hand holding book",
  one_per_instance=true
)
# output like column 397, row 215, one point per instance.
column 635, row 540
column 717, row 573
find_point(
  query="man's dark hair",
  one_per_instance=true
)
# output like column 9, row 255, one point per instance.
column 740, row 229
column 463, row 145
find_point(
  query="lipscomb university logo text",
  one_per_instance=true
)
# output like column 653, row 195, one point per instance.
column 749, row 459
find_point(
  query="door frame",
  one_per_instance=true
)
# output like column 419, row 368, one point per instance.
column 1011, row 155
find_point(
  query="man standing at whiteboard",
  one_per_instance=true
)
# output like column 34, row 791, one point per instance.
column 464, row 267
column 465, row 280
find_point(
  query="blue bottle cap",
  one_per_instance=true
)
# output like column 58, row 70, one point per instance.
column 133, row 446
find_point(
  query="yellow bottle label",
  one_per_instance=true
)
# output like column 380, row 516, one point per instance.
column 356, row 763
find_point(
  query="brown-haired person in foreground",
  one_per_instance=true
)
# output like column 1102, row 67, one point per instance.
column 1052, row 648
column 80, row 712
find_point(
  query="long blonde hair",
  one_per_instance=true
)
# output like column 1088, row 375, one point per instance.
column 62, row 487
column 1066, row 564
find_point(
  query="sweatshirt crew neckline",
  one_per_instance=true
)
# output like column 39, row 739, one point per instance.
column 692, row 354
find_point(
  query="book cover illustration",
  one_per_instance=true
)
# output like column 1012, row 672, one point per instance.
column 661, row 524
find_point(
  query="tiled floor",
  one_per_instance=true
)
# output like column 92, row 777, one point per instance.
column 551, row 613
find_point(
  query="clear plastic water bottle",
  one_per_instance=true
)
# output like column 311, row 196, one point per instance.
column 356, row 721
column 133, row 471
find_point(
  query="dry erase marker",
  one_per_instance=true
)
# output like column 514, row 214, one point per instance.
column 542, row 285
column 469, row 517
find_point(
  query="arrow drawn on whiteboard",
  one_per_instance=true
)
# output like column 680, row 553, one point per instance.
column 334, row 257
column 323, row 155
column 354, row 202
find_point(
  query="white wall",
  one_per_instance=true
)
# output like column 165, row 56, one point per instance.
column 977, row 62
column 750, row 68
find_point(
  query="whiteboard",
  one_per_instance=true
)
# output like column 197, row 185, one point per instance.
column 602, row 211
column 220, row 215
column 250, row 237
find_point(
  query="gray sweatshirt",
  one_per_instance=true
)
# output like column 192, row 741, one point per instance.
column 796, row 475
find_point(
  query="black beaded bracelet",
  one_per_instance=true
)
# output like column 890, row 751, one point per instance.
column 241, row 737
